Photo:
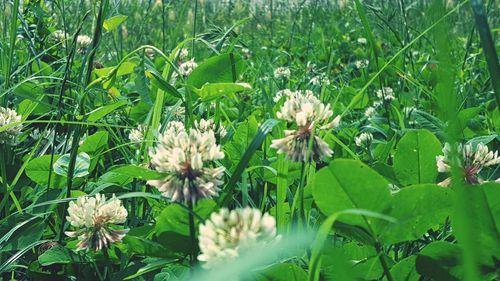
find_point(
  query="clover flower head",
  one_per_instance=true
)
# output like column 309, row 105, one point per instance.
column 472, row 162
column 360, row 64
column 362, row 40
column 370, row 111
column 364, row 139
column 7, row 117
column 187, row 67
column 282, row 93
column 92, row 217
column 184, row 156
column 205, row 125
column 282, row 73
column 83, row 40
column 136, row 135
column 319, row 80
column 182, row 53
column 310, row 116
column 386, row 93
column 228, row 234
column 59, row 35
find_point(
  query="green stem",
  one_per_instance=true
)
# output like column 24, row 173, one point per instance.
column 3, row 173
column 387, row 273
column 192, row 234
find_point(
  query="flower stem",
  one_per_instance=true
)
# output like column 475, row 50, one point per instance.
column 387, row 273
column 192, row 234
column 3, row 174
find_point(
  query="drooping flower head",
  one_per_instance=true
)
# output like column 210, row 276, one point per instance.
column 205, row 125
column 185, row 157
column 92, row 218
column 473, row 161
column 282, row 73
column 364, row 139
column 7, row 117
column 136, row 135
column 310, row 116
column 227, row 234
column 386, row 93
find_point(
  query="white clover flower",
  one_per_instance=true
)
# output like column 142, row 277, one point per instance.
column 246, row 53
column 281, row 93
column 310, row 116
column 209, row 124
column 362, row 41
column 83, row 40
column 319, row 80
column 187, row 67
column 386, row 93
column 59, row 35
column 182, row 53
column 370, row 111
column 360, row 64
column 282, row 72
column 228, row 234
column 92, row 217
column 7, row 117
column 184, row 157
column 363, row 140
column 136, row 135
column 472, row 162
column 150, row 53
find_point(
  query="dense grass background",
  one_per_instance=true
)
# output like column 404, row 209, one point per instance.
column 439, row 57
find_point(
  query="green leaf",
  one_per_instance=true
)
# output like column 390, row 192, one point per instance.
column 281, row 272
column 124, row 69
column 440, row 260
column 38, row 171
column 415, row 157
column 216, row 69
column 159, row 82
column 102, row 111
column 113, row 22
column 350, row 181
column 137, row 172
column 145, row 247
column 215, row 91
column 20, row 231
column 81, row 166
column 94, row 143
column 405, row 270
column 417, row 209
column 61, row 255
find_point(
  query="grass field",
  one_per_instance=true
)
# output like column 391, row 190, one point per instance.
column 267, row 140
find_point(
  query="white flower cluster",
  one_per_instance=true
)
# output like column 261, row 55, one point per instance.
column 281, row 93
column 360, row 64
column 183, row 156
column 83, row 40
column 310, row 116
column 319, row 80
column 205, row 125
column 228, row 234
column 187, row 67
column 362, row 41
column 282, row 73
column 92, row 217
column 386, row 93
column 182, row 54
column 363, row 140
column 370, row 111
column 59, row 35
column 473, row 161
column 7, row 117
column 136, row 135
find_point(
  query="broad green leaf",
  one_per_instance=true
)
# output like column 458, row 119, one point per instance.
column 405, row 270
column 38, row 171
column 417, row 209
column 216, row 69
column 61, row 255
column 94, row 143
column 82, row 165
column 145, row 247
column 113, row 22
column 20, row 231
column 281, row 272
column 102, row 111
column 349, row 184
column 137, row 172
column 159, row 82
column 440, row 260
column 124, row 69
column 215, row 91
column 415, row 157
